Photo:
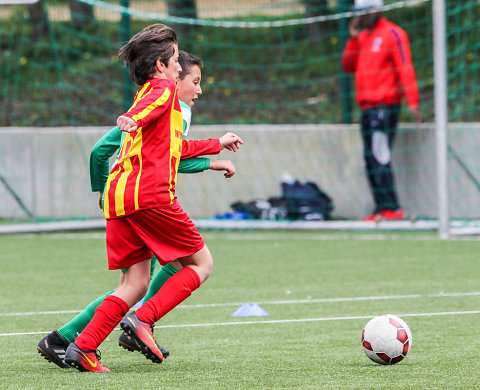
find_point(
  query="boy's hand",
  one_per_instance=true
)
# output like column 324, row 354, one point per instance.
column 126, row 124
column 223, row 165
column 100, row 200
column 231, row 142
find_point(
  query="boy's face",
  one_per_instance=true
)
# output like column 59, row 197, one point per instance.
column 189, row 88
column 173, row 68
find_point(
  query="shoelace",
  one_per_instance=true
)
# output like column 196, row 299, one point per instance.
column 98, row 354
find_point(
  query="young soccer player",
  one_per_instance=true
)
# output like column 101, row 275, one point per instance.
column 143, row 214
column 53, row 346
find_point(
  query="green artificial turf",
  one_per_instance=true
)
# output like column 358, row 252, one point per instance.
column 319, row 289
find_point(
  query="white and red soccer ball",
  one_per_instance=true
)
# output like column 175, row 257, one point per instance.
column 386, row 339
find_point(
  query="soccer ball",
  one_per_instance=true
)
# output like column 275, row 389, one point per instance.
column 386, row 339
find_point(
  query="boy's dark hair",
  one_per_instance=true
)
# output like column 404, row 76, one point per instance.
column 186, row 61
column 144, row 49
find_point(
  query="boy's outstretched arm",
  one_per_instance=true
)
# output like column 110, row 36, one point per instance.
column 200, row 164
column 223, row 165
column 195, row 148
column 231, row 142
column 194, row 165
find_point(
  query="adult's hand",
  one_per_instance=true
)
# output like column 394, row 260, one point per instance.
column 417, row 114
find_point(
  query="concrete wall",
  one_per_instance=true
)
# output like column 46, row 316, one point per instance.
column 48, row 169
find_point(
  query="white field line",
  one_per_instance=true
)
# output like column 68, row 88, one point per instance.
column 281, row 302
column 34, row 313
column 445, row 313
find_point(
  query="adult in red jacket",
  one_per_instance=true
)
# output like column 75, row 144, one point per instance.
column 378, row 52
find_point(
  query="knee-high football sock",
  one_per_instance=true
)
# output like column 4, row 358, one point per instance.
column 159, row 280
column 175, row 290
column 72, row 329
column 107, row 316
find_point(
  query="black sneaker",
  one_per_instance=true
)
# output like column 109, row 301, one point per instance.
column 52, row 347
column 127, row 342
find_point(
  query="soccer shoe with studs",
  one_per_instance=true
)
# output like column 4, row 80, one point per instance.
column 84, row 360
column 142, row 333
column 127, row 342
column 52, row 347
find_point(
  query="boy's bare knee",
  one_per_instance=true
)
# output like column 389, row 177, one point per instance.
column 201, row 262
column 205, row 269
column 143, row 287
column 209, row 266
column 139, row 288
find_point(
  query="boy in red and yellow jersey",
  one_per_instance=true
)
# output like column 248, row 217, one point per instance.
column 53, row 346
column 143, row 214
column 378, row 52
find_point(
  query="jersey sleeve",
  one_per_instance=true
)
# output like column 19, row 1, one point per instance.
column 350, row 55
column 100, row 158
column 194, row 165
column 195, row 148
column 402, row 60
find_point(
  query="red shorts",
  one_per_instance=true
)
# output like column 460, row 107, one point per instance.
column 166, row 231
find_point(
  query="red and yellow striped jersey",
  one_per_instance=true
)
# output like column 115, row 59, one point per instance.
column 146, row 171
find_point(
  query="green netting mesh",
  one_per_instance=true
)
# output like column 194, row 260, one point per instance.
column 265, row 62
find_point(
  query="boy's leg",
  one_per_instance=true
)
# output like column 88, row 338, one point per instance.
column 167, row 271
column 53, row 346
column 72, row 329
column 81, row 354
column 176, row 289
column 179, row 287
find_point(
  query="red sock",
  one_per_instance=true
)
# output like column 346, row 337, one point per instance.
column 175, row 290
column 107, row 315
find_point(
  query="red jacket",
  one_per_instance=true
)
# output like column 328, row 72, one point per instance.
column 146, row 171
column 382, row 64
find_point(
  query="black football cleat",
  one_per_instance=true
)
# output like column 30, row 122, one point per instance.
column 52, row 347
column 127, row 342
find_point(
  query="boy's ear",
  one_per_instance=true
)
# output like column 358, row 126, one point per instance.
column 160, row 66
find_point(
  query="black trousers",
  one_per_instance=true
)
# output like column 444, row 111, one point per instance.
column 379, row 127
